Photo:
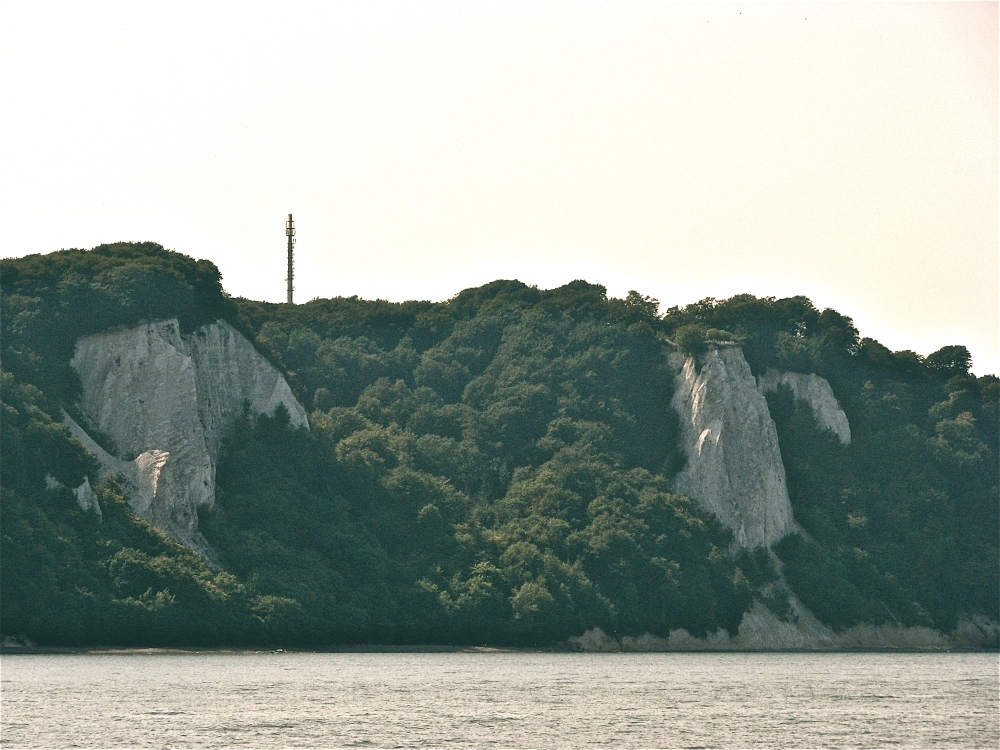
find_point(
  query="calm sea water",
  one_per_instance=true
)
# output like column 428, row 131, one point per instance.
column 500, row 700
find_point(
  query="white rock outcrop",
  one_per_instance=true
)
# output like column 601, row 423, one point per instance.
column 85, row 496
column 168, row 401
column 734, row 467
column 815, row 391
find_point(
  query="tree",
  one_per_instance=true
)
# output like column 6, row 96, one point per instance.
column 950, row 360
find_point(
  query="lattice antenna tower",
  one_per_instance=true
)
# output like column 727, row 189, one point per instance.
column 290, row 233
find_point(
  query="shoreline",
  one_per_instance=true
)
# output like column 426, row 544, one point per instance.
column 249, row 650
column 8, row 650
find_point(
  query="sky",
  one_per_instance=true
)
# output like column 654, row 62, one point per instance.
column 846, row 152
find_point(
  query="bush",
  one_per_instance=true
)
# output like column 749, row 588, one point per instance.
column 690, row 339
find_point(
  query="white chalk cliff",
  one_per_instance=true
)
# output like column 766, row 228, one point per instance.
column 734, row 470
column 734, row 467
column 168, row 401
column 815, row 391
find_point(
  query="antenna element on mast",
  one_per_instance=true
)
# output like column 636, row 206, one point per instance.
column 290, row 233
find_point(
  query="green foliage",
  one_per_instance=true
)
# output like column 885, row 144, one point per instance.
column 824, row 583
column 904, row 520
column 691, row 338
column 951, row 360
column 33, row 443
column 789, row 334
column 491, row 469
column 66, row 578
column 505, row 487
column 49, row 301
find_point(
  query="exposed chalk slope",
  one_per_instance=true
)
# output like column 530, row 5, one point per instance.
column 734, row 466
column 168, row 401
column 815, row 391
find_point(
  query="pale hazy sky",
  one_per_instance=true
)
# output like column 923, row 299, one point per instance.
column 847, row 152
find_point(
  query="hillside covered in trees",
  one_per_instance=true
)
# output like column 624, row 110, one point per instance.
column 491, row 469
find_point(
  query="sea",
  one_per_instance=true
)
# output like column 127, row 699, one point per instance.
column 499, row 699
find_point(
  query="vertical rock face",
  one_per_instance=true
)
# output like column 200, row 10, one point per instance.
column 817, row 393
column 168, row 402
column 734, row 466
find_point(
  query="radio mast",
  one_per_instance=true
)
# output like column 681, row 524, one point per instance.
column 290, row 233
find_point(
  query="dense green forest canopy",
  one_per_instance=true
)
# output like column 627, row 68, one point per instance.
column 495, row 468
column 49, row 301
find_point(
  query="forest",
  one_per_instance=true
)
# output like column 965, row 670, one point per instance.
column 492, row 469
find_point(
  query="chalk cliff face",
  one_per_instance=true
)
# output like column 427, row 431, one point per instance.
column 817, row 393
column 734, row 470
column 734, row 466
column 168, row 402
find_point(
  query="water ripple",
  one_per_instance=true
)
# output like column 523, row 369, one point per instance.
column 500, row 700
